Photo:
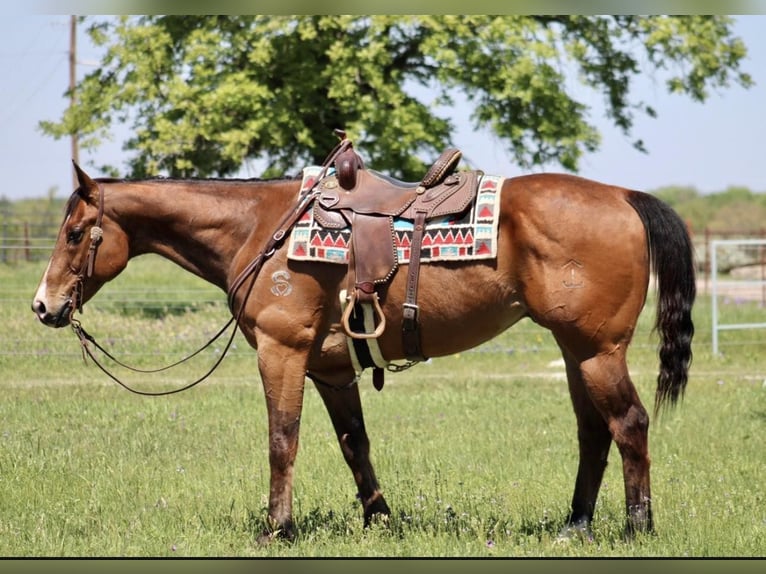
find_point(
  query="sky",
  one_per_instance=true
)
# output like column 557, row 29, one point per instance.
column 710, row 146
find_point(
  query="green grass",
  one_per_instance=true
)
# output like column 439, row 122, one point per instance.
column 476, row 453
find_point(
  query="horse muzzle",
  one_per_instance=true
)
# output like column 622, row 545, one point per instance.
column 57, row 319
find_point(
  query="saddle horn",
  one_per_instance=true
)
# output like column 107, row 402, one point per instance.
column 347, row 163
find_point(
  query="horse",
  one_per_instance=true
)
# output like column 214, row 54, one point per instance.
column 574, row 255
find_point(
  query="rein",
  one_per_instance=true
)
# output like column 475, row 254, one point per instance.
column 252, row 270
column 96, row 236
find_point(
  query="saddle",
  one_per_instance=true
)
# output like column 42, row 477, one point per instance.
column 367, row 202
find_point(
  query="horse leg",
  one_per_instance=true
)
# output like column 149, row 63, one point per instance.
column 283, row 376
column 612, row 394
column 594, row 441
column 345, row 409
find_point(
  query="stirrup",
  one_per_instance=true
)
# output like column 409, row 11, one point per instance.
column 378, row 312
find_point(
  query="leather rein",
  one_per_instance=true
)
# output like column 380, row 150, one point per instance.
column 251, row 271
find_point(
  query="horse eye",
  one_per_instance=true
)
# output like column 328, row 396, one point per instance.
column 74, row 236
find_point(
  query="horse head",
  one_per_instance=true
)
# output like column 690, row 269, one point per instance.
column 90, row 250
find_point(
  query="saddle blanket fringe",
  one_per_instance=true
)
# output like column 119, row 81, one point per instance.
column 470, row 235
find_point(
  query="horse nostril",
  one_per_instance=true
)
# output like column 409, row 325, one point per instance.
column 39, row 308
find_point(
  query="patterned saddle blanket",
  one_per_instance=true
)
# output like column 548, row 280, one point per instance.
column 471, row 234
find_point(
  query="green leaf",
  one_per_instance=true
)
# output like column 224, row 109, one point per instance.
column 205, row 94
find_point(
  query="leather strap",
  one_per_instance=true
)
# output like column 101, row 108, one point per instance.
column 410, row 324
column 96, row 232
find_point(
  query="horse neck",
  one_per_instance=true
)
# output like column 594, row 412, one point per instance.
column 198, row 224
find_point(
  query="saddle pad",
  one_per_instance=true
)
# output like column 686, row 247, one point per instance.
column 470, row 235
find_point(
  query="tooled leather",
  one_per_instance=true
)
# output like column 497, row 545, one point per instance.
column 446, row 163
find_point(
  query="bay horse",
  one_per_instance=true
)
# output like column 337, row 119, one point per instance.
column 574, row 255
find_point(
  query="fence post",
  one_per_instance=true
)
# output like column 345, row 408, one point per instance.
column 707, row 259
column 717, row 326
column 762, row 263
column 27, row 254
column 712, row 247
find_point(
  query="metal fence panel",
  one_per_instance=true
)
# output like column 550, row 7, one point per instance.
column 716, row 285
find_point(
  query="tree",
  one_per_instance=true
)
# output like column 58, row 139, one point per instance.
column 677, row 195
column 205, row 94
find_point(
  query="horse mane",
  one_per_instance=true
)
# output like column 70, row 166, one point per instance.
column 71, row 203
column 162, row 178
column 75, row 197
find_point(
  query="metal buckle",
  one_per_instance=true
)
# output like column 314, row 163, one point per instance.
column 410, row 316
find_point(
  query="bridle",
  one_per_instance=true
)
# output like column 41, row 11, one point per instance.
column 251, row 271
column 86, row 271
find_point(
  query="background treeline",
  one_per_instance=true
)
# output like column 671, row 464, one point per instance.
column 736, row 209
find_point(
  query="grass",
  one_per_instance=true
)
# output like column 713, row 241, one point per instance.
column 476, row 452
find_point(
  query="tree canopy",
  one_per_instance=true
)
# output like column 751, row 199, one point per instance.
column 204, row 94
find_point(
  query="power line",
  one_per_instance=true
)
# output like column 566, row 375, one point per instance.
column 23, row 99
column 29, row 59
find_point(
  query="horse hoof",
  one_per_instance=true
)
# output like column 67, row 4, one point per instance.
column 376, row 511
column 579, row 531
column 264, row 539
column 378, row 519
column 269, row 536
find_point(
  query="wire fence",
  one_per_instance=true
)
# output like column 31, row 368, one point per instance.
column 25, row 240
column 31, row 239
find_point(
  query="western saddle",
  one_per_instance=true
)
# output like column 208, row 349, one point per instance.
column 367, row 202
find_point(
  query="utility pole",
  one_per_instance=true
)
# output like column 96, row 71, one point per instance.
column 72, row 84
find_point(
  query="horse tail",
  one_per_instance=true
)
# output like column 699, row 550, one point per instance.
column 671, row 255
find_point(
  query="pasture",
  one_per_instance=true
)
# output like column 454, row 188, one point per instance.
column 476, row 453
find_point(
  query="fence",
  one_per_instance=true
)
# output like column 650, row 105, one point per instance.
column 31, row 239
column 751, row 286
column 703, row 242
column 26, row 240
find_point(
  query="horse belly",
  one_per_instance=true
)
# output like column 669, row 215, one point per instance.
column 460, row 306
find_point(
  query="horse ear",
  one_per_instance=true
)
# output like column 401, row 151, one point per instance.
column 87, row 185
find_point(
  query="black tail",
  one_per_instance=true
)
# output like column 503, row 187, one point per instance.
column 672, row 259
